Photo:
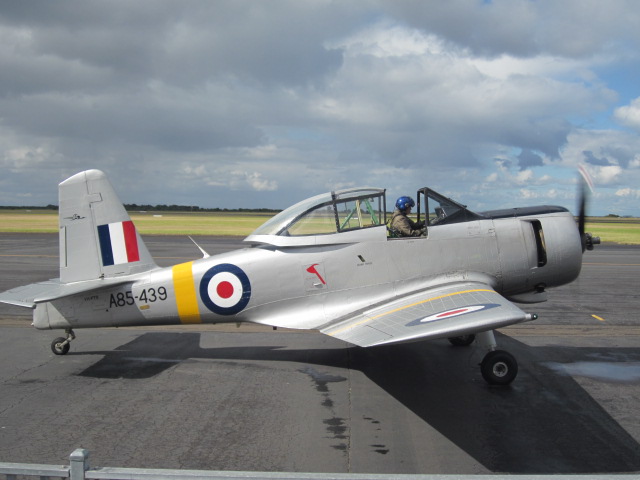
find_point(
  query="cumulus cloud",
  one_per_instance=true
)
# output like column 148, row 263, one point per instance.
column 601, row 148
column 628, row 192
column 403, row 91
column 606, row 175
column 629, row 115
column 257, row 182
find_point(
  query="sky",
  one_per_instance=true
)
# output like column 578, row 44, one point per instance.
column 249, row 104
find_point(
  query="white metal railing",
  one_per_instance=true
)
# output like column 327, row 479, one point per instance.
column 78, row 469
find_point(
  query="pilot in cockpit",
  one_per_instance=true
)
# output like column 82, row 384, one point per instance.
column 401, row 224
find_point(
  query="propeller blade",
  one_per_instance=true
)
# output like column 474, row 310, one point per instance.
column 586, row 239
column 582, row 212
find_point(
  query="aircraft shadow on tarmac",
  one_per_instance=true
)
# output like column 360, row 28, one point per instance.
column 544, row 423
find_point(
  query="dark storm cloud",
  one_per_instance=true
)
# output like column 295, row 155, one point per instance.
column 527, row 159
column 119, row 70
column 591, row 159
column 526, row 28
column 129, row 118
column 187, row 42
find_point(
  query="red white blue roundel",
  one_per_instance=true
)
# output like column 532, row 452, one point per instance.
column 454, row 312
column 225, row 289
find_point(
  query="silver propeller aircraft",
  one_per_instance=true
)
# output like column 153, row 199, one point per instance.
column 326, row 263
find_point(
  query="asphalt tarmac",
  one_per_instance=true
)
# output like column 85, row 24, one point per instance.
column 251, row 398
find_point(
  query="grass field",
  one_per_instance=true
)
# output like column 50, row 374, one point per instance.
column 147, row 223
column 626, row 231
column 620, row 230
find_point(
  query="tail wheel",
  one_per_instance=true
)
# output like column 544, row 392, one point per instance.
column 60, row 346
column 499, row 368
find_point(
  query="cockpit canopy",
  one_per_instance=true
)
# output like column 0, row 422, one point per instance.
column 349, row 216
column 352, row 214
column 436, row 209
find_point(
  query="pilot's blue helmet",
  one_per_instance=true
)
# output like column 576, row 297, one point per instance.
column 403, row 202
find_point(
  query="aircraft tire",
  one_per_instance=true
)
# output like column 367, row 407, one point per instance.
column 462, row 340
column 59, row 347
column 499, row 368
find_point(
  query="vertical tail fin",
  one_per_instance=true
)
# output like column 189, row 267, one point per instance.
column 97, row 237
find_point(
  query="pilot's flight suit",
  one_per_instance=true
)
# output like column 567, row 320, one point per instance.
column 404, row 226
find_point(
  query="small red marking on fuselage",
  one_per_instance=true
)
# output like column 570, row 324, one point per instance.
column 312, row 269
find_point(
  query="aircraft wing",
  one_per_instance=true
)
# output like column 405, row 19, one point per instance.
column 440, row 312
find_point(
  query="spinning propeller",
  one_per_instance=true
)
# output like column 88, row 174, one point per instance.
column 588, row 240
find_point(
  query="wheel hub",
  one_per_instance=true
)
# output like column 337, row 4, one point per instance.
column 500, row 369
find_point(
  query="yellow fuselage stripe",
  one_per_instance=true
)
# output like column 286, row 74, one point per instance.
column 185, row 289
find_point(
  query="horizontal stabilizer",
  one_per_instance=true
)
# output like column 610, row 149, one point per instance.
column 30, row 295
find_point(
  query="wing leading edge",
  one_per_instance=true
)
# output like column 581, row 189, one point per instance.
column 448, row 311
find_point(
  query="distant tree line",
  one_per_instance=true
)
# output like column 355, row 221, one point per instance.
column 160, row 208
column 40, row 207
column 191, row 208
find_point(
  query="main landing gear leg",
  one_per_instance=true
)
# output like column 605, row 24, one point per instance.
column 498, row 367
column 61, row 345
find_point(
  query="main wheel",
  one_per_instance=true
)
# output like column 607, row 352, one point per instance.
column 499, row 368
column 462, row 340
column 59, row 347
